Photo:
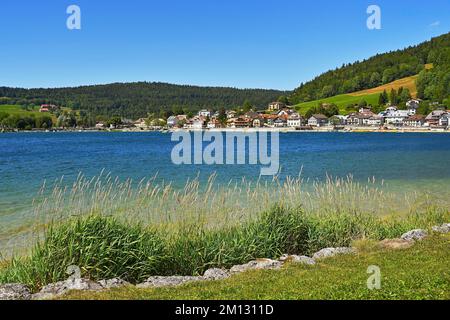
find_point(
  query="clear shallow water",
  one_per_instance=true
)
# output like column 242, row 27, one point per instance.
column 406, row 162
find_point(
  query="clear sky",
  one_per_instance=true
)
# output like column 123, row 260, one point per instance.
column 239, row 43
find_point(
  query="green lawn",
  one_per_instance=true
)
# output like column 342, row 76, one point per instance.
column 342, row 101
column 420, row 272
column 18, row 110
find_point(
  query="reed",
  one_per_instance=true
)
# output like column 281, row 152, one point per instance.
column 133, row 230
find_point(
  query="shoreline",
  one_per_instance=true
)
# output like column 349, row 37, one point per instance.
column 246, row 130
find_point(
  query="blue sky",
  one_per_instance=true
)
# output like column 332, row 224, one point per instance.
column 239, row 43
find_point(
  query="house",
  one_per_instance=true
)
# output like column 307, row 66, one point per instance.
column 141, row 123
column 286, row 112
column 251, row 115
column 175, row 121
column 205, row 113
column 412, row 105
column 444, row 120
column 280, row 123
column 231, row 114
column 258, row 122
column 198, row 123
column 276, row 106
column 394, row 116
column 48, row 108
column 338, row 120
column 373, row 121
column 365, row 110
column 432, row 120
column 318, row 120
column 294, row 121
column 214, row 123
column 240, row 122
column 172, row 121
column 415, row 120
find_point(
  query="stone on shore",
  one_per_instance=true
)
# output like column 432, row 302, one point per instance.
column 113, row 283
column 415, row 235
column 331, row 252
column 54, row 290
column 297, row 259
column 14, row 292
column 259, row 264
column 395, row 244
column 216, row 274
column 445, row 228
column 157, row 282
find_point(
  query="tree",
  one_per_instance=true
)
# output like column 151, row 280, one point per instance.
column 375, row 79
column 283, row 99
column 222, row 116
column 393, row 97
column 247, row 106
column 362, row 103
column 383, row 98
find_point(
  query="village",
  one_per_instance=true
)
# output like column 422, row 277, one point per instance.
column 279, row 116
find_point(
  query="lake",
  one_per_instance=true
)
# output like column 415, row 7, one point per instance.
column 404, row 161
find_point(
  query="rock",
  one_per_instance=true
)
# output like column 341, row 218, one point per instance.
column 445, row 228
column 60, row 288
column 257, row 265
column 14, row 292
column 156, row 282
column 113, row 283
column 395, row 244
column 216, row 274
column 297, row 259
column 414, row 235
column 331, row 252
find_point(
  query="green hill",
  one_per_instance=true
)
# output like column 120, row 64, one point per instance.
column 410, row 65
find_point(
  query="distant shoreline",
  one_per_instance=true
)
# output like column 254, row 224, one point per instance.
column 245, row 130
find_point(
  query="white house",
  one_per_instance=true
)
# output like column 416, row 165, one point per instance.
column 294, row 121
column 275, row 106
column 373, row 121
column 205, row 113
column 318, row 120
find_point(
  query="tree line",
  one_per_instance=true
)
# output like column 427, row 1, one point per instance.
column 136, row 100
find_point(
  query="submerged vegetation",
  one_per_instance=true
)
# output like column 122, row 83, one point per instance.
column 111, row 228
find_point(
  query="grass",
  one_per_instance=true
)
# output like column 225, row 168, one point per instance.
column 342, row 101
column 420, row 272
column 18, row 110
column 370, row 95
column 406, row 83
column 110, row 228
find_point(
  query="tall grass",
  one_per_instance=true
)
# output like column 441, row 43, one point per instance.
column 111, row 228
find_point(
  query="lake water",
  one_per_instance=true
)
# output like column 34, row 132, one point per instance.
column 405, row 161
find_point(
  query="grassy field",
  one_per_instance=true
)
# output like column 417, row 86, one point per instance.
column 18, row 110
column 420, row 272
column 342, row 101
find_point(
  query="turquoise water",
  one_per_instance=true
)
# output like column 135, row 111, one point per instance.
column 406, row 162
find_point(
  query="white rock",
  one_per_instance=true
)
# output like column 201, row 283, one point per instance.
column 113, row 283
column 14, row 292
column 297, row 259
column 156, row 282
column 331, row 252
column 445, row 228
column 414, row 235
column 257, row 265
column 60, row 288
column 216, row 274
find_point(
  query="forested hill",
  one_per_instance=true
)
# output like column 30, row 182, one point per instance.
column 136, row 100
column 384, row 68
